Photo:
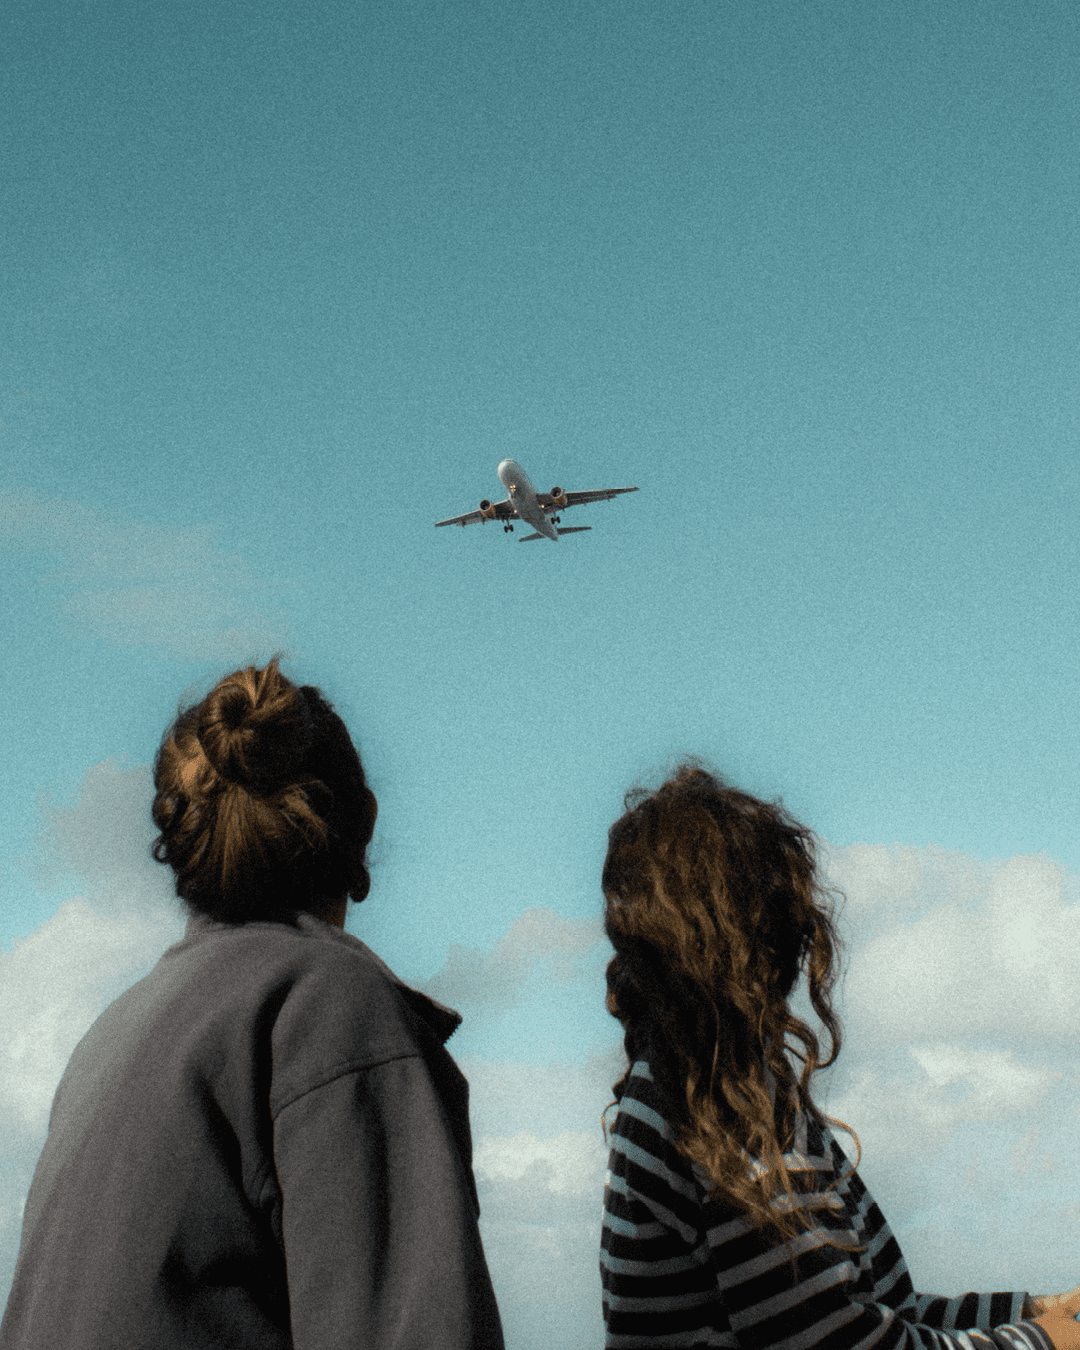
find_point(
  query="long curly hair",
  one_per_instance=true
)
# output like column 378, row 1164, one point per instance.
column 714, row 906
column 261, row 801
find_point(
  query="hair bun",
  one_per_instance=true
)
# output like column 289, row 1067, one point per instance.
column 255, row 738
column 233, row 707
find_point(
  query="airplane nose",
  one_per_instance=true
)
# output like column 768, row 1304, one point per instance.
column 508, row 469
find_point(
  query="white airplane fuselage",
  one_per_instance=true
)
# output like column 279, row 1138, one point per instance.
column 522, row 495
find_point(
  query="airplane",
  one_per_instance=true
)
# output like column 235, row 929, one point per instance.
column 538, row 509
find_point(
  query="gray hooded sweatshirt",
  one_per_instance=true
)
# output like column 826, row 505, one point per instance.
column 264, row 1143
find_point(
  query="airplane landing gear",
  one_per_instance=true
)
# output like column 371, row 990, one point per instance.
column 508, row 529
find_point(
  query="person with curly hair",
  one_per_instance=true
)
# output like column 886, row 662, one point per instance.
column 264, row 1142
column 732, row 1217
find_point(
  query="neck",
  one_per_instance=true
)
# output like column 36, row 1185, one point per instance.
column 332, row 910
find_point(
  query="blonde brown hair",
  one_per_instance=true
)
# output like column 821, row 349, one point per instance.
column 713, row 907
column 261, row 801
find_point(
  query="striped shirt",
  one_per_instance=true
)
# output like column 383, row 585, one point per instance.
column 685, row 1270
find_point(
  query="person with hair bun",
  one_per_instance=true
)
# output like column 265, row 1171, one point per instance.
column 264, row 1143
column 731, row 1215
column 262, row 803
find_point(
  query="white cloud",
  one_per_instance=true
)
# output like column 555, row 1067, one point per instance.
column 873, row 875
column 987, row 967
column 55, row 981
column 541, row 1200
column 568, row 1163
column 53, row 984
column 546, row 1275
column 506, row 1098
column 1030, row 1245
column 139, row 584
column 953, row 1085
column 959, row 1067
column 106, row 838
column 493, row 980
column 540, row 1158
column 997, row 1083
column 881, row 881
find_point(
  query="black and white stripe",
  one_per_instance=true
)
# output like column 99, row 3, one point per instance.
column 681, row 1269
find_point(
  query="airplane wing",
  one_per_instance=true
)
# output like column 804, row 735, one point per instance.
column 564, row 529
column 496, row 511
column 580, row 498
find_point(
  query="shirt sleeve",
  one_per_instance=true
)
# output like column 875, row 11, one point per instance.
column 1001, row 1313
column 681, row 1270
column 831, row 1301
column 382, row 1244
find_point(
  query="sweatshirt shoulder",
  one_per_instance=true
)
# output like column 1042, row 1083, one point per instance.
column 247, row 959
column 322, row 1002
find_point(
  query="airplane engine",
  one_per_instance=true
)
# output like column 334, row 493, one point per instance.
column 558, row 497
column 487, row 510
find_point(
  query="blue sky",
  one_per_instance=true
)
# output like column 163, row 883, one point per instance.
column 284, row 284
